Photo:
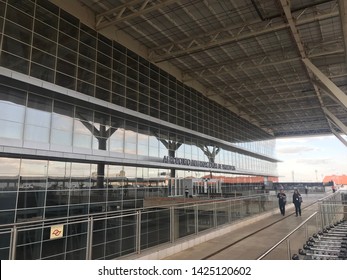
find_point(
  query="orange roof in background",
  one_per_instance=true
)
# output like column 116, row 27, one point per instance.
column 241, row 179
column 338, row 179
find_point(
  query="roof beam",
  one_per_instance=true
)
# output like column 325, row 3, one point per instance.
column 225, row 68
column 338, row 136
column 343, row 17
column 287, row 55
column 276, row 111
column 311, row 123
column 255, row 85
column 292, row 26
column 295, row 33
column 129, row 11
column 328, row 85
column 336, row 121
column 299, row 133
column 222, row 37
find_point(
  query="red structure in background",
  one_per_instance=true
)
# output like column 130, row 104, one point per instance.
column 337, row 179
column 243, row 179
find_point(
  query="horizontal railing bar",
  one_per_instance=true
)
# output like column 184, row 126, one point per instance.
column 286, row 237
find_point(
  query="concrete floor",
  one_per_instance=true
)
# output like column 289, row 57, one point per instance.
column 255, row 245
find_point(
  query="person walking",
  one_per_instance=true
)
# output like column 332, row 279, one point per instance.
column 282, row 200
column 306, row 190
column 186, row 192
column 297, row 200
column 333, row 188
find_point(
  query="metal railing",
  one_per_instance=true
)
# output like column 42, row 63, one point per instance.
column 116, row 234
column 331, row 209
column 287, row 239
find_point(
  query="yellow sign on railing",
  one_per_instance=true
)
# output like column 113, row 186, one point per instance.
column 57, row 231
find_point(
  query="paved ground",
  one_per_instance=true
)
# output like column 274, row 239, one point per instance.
column 252, row 247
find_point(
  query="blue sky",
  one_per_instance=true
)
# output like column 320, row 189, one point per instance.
column 310, row 158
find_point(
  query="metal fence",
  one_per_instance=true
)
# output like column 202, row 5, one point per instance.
column 331, row 210
column 115, row 234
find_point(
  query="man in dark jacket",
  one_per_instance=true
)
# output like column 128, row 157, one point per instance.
column 297, row 199
column 282, row 200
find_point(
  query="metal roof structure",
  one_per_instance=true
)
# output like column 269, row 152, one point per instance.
column 280, row 64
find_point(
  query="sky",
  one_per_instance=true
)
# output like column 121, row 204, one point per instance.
column 310, row 159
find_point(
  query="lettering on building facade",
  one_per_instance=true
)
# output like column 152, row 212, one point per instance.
column 197, row 163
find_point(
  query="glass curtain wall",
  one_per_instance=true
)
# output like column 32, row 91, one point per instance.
column 42, row 41
column 45, row 42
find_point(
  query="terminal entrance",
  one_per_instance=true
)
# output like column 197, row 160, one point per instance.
column 193, row 187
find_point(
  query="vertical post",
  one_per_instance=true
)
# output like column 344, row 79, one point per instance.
column 317, row 226
column 176, row 186
column 138, row 232
column 331, row 210
column 13, row 243
column 288, row 248
column 172, row 224
column 241, row 207
column 215, row 214
column 229, row 211
column 196, row 218
column 321, row 214
column 89, row 239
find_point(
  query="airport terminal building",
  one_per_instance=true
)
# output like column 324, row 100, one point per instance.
column 89, row 128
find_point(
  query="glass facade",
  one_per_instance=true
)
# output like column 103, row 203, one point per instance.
column 101, row 149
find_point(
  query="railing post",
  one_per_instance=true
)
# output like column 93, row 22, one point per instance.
column 172, row 224
column 286, row 238
column 317, row 226
column 242, row 207
column 138, row 232
column 288, row 248
column 196, row 218
column 215, row 215
column 13, row 243
column 89, row 239
column 322, row 218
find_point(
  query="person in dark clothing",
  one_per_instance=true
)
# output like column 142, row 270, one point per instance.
column 282, row 200
column 297, row 199
column 186, row 192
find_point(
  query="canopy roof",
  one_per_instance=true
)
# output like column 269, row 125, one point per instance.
column 280, row 64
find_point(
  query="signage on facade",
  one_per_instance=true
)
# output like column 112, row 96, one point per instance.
column 197, row 163
column 57, row 231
